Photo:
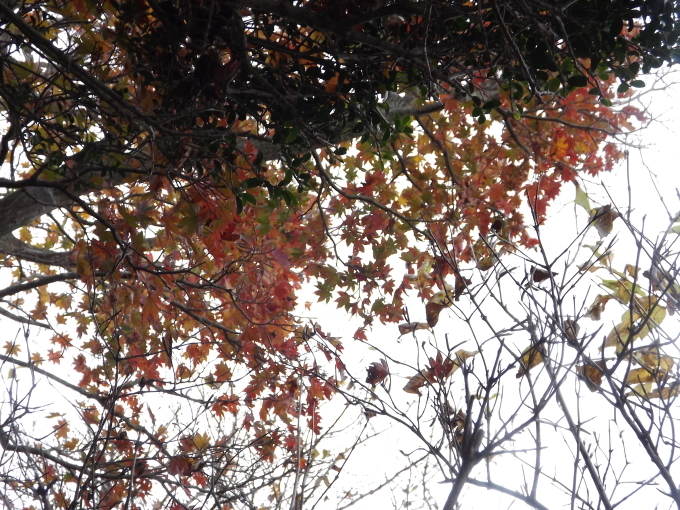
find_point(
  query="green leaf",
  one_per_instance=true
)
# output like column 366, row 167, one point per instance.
column 247, row 197
column 252, row 182
column 582, row 199
column 623, row 88
column 578, row 81
column 287, row 178
column 490, row 105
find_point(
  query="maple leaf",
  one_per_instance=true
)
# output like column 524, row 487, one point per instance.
column 12, row 348
column 180, row 465
column 61, row 429
column 377, row 372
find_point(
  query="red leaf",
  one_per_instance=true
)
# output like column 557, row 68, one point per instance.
column 377, row 372
column 179, row 466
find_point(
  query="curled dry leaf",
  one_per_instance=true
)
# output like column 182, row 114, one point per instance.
column 603, row 219
column 596, row 309
column 604, row 260
column 538, row 275
column 461, row 286
column 652, row 360
column 571, row 329
column 592, row 374
column 377, row 372
column 432, row 311
column 462, row 354
column 369, row 414
column 442, row 299
column 531, row 357
column 410, row 327
column 414, row 384
column 486, row 263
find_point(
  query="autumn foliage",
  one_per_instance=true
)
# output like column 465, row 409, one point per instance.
column 175, row 172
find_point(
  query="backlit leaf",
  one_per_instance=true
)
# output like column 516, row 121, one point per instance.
column 531, row 357
column 377, row 372
column 603, row 219
column 414, row 384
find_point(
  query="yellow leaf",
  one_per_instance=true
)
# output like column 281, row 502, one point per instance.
column 639, row 376
column 642, row 390
column 462, row 354
column 592, row 374
column 618, row 337
column 531, row 357
column 582, row 198
column 201, row 440
column 666, row 392
column 652, row 360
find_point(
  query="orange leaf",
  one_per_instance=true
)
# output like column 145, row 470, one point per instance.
column 591, row 374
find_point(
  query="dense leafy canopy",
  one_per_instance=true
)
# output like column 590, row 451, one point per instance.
column 175, row 171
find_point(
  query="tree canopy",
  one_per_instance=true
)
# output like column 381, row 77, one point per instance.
column 174, row 172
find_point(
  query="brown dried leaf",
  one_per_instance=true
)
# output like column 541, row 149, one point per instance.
column 531, row 357
column 666, row 392
column 410, row 327
column 571, row 329
column 486, row 263
column 538, row 275
column 432, row 311
column 377, row 372
column 461, row 286
column 653, row 360
column 414, row 384
column 596, row 309
column 592, row 374
column 603, row 219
